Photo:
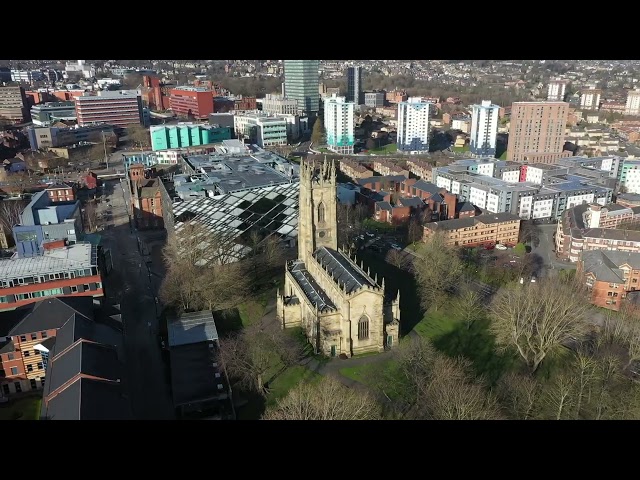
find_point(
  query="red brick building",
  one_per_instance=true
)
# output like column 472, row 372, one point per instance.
column 195, row 102
column 62, row 270
column 61, row 192
column 28, row 333
column 245, row 103
column 153, row 94
column 146, row 197
column 610, row 276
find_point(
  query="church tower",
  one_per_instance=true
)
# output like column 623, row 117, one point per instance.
column 317, row 218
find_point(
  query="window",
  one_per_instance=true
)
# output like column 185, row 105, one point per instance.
column 363, row 328
column 23, row 338
column 14, row 370
column 321, row 212
column 27, row 353
column 43, row 334
column 29, row 368
column 40, row 366
column 10, row 356
column 34, row 336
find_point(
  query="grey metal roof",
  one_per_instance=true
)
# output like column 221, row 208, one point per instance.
column 53, row 313
column 314, row 292
column 384, row 206
column 605, row 265
column 436, row 197
column 342, row 269
column 411, row 201
column 195, row 375
column 83, row 358
column 426, row 186
column 88, row 399
column 80, row 327
column 194, row 327
column 465, row 207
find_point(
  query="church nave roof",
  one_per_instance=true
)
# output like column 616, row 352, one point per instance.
column 312, row 290
column 342, row 269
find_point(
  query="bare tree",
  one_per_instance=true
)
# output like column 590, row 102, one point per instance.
column 90, row 216
column 455, row 395
column 398, row 259
column 530, row 233
column 201, row 271
column 438, row 387
column 438, row 269
column 560, row 395
column 247, row 357
column 327, row 399
column 585, row 366
column 10, row 211
column 139, row 136
column 95, row 154
column 414, row 230
column 468, row 305
column 537, row 318
column 607, row 374
column 519, row 395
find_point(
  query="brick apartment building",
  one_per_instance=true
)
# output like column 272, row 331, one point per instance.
column 194, row 102
column 421, row 168
column 387, row 167
column 537, row 132
column 146, row 197
column 595, row 227
column 396, row 96
column 25, row 338
column 245, row 103
column 354, row 169
column 610, row 276
column 61, row 192
column 61, row 270
column 481, row 230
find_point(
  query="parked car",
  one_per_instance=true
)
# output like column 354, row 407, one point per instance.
column 395, row 246
column 500, row 247
column 369, row 234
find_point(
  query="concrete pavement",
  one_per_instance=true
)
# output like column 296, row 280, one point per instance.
column 130, row 284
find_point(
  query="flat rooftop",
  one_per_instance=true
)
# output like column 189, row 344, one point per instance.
column 236, row 172
column 74, row 257
column 192, row 328
column 195, row 375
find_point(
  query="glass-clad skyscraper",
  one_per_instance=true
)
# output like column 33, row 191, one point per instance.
column 302, row 83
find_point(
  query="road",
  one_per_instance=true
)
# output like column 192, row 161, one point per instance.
column 132, row 286
column 546, row 249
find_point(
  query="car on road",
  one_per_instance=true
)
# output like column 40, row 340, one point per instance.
column 369, row 234
column 110, row 206
column 395, row 246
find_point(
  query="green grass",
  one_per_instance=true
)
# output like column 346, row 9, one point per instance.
column 503, row 156
column 435, row 324
column 287, row 380
column 461, row 149
column 27, row 408
column 385, row 149
column 476, row 343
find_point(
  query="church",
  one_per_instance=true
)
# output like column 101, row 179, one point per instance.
column 341, row 309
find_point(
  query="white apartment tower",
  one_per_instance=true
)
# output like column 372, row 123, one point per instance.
column 413, row 126
column 339, row 123
column 484, row 129
column 590, row 99
column 633, row 102
column 557, row 90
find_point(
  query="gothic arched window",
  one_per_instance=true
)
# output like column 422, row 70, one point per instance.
column 363, row 328
column 321, row 212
